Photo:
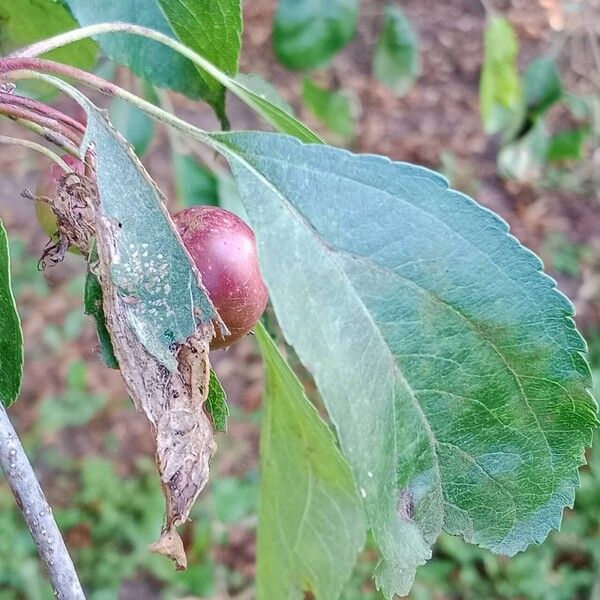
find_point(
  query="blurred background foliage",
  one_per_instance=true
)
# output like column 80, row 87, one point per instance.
column 503, row 97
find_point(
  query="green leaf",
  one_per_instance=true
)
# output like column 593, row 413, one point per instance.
column 310, row 520
column 216, row 403
column 500, row 94
column 92, row 303
column 541, row 85
column 273, row 113
column 11, row 337
column 213, row 28
column 448, row 361
column 23, row 22
column 568, row 145
column 166, row 296
column 334, row 108
column 194, row 183
column 259, row 101
column 265, row 89
column 524, row 158
column 308, row 33
column 134, row 125
column 153, row 61
column 396, row 60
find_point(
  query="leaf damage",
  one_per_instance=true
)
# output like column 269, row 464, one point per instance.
column 173, row 400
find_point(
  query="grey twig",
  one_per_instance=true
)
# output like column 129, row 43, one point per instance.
column 37, row 513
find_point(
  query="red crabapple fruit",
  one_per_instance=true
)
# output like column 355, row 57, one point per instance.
column 224, row 251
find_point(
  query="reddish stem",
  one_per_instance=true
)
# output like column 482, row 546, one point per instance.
column 53, row 127
column 42, row 109
column 54, row 124
column 10, row 64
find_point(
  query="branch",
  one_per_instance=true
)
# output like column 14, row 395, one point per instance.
column 270, row 112
column 63, row 39
column 36, row 68
column 37, row 513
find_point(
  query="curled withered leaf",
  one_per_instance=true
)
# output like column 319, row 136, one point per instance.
column 171, row 400
column 157, row 312
column 74, row 206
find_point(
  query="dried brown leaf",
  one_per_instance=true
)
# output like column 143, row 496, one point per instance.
column 172, row 401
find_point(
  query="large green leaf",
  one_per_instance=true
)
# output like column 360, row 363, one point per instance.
column 213, row 28
column 154, row 268
column 310, row 522
column 159, row 64
column 11, row 337
column 500, row 94
column 307, row 33
column 396, row 60
column 23, row 22
column 449, row 363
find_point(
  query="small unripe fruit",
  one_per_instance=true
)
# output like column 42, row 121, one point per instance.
column 48, row 188
column 224, row 250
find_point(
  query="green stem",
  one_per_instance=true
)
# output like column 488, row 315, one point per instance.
column 38, row 148
column 272, row 113
column 185, row 145
column 165, row 103
column 76, row 35
column 32, row 68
